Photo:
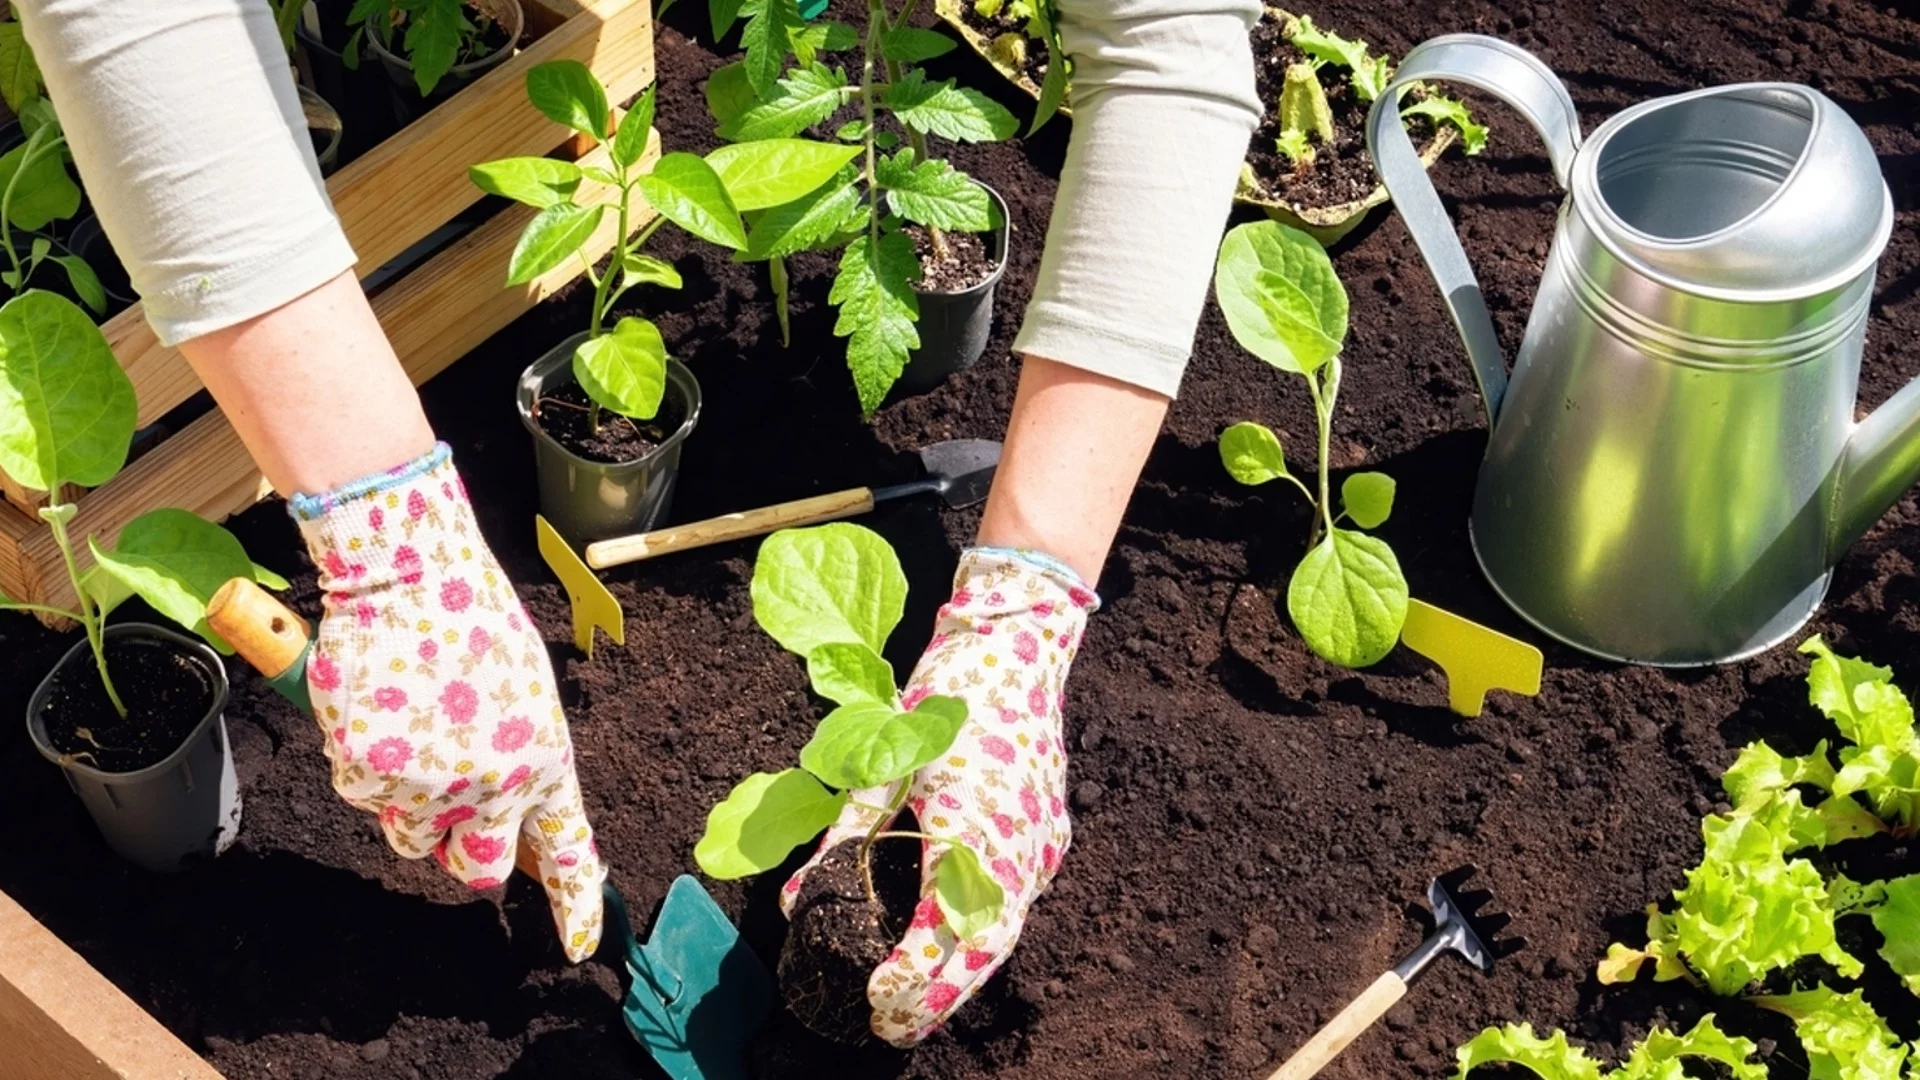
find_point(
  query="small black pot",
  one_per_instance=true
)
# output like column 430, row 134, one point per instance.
column 408, row 105
column 325, row 128
column 596, row 500
column 360, row 95
column 173, row 813
column 89, row 241
column 954, row 327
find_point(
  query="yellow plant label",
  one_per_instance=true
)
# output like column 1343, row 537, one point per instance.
column 593, row 606
column 1474, row 658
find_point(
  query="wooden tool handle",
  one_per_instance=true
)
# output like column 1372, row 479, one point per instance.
column 265, row 632
column 832, row 507
column 1358, row 1016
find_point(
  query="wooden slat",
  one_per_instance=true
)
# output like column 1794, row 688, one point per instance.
column 62, row 1020
column 416, row 181
column 433, row 316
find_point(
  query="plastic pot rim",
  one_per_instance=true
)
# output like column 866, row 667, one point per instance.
column 527, row 390
column 1001, row 237
column 36, row 705
column 480, row 63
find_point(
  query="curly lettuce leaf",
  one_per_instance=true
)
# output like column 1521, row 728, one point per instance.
column 1845, row 1039
column 1659, row 1056
column 1551, row 1058
column 1858, row 697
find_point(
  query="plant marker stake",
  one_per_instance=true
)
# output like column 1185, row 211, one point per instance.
column 593, row 606
column 1475, row 658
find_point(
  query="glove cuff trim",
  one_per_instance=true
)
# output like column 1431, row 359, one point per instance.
column 313, row 507
column 1044, row 563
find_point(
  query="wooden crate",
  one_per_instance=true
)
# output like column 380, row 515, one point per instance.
column 388, row 201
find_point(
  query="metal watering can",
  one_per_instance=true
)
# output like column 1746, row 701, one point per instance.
column 1674, row 465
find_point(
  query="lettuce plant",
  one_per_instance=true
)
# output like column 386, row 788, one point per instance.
column 67, row 416
column 1285, row 305
column 832, row 594
column 1661, row 1056
column 1845, row 1039
column 887, row 183
column 1306, row 118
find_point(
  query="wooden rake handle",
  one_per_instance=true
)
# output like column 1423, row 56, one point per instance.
column 831, row 507
column 1359, row 1015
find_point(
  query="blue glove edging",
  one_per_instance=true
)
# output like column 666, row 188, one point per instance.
column 1041, row 561
column 313, row 507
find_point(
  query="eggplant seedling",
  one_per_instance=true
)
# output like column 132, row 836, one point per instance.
column 832, row 594
column 1285, row 305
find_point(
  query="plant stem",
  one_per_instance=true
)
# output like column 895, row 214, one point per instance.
column 918, row 143
column 27, row 158
column 45, row 609
column 907, row 834
column 876, row 22
column 602, row 301
column 874, row 832
column 91, row 618
column 1323, row 413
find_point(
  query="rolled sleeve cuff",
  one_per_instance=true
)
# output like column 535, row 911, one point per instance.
column 1053, row 332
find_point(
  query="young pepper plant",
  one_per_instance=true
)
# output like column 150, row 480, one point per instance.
column 833, row 594
column 863, row 211
column 67, row 416
column 1285, row 305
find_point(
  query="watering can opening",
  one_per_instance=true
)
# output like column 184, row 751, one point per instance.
column 1700, row 165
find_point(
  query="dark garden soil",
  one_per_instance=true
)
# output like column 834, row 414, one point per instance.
column 566, row 414
column 167, row 693
column 965, row 264
column 1253, row 827
column 1035, row 49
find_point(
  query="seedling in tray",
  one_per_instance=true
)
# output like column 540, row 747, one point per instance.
column 832, row 594
column 436, row 35
column 1285, row 305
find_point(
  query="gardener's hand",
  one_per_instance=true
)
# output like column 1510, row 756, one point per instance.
column 1003, row 645
column 436, row 695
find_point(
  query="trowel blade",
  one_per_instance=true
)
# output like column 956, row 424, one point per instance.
column 965, row 467
column 698, row 992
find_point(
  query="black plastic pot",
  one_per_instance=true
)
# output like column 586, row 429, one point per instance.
column 593, row 500
column 325, row 128
column 361, row 95
column 408, row 105
column 954, row 327
column 89, row 241
column 169, row 815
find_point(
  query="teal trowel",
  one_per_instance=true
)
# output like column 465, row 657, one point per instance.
column 698, row 992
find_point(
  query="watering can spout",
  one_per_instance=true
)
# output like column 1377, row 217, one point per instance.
column 1882, row 461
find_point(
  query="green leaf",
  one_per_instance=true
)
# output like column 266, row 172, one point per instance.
column 566, row 92
column 1760, row 772
column 870, row 743
column 534, row 181
column 1858, row 697
column 1843, row 1037
column 878, row 309
column 641, row 269
column 176, row 561
column 836, row 583
column 1898, row 920
column 45, row 193
column 1349, row 599
column 911, row 45
column 434, row 28
column 67, row 410
column 1551, row 1058
column 267, row 579
column 1368, row 498
column 948, row 110
column 768, row 38
column 969, row 900
column 934, row 193
column 807, row 221
column 1303, row 104
column 803, row 98
column 729, row 94
column 1445, row 110
column 1292, row 144
column 553, row 235
column 1370, row 73
column 1252, row 453
column 762, row 820
column 773, row 172
column 630, row 140
column 850, row 673
column 20, row 80
column 625, row 370
column 1660, row 1056
column 687, row 192
column 722, row 14
column 1281, row 297
column 1053, row 89
column 825, row 36
column 85, row 283
column 852, row 131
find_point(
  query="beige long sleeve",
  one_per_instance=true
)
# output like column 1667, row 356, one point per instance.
column 1163, row 106
column 184, row 122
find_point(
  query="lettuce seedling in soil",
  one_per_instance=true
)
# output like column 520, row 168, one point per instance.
column 434, row 35
column 1662, row 1055
column 891, row 196
column 832, row 594
column 1310, row 148
column 1285, row 305
column 67, row 416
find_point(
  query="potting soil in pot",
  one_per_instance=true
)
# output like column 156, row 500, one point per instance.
column 1251, row 826
column 566, row 414
column 167, row 694
column 966, row 262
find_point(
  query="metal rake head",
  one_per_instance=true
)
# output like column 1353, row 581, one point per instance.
column 1461, row 923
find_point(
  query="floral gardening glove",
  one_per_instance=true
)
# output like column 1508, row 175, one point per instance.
column 436, row 695
column 1003, row 645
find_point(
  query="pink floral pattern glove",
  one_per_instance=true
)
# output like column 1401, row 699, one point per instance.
column 435, row 693
column 1003, row 645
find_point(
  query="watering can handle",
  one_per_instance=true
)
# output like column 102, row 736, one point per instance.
column 1516, row 77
